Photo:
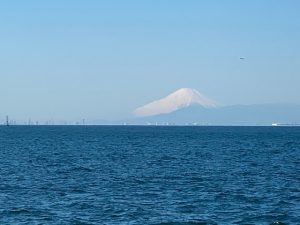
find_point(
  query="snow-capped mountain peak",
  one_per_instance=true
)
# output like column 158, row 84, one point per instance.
column 182, row 98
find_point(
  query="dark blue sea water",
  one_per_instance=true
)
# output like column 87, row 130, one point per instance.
column 149, row 175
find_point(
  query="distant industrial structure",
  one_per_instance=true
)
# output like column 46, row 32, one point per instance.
column 30, row 122
column 7, row 121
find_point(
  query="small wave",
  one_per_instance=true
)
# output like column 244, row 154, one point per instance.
column 82, row 168
column 188, row 223
column 19, row 211
column 278, row 223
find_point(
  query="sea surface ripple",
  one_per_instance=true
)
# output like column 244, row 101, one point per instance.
column 149, row 175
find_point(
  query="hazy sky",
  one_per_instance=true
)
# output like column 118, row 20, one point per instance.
column 101, row 59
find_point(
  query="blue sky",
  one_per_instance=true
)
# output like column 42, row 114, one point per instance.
column 67, row 60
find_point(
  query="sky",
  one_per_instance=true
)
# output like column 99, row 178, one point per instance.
column 68, row 60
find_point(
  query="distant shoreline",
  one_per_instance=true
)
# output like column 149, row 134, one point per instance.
column 144, row 125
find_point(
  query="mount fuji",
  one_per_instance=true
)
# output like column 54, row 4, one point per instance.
column 180, row 99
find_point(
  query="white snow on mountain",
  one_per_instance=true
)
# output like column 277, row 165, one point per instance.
column 179, row 99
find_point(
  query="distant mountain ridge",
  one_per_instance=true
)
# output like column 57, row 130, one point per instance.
column 189, row 106
column 261, row 114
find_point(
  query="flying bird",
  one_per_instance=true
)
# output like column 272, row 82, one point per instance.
column 242, row 58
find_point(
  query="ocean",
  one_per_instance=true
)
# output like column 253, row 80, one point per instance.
column 149, row 175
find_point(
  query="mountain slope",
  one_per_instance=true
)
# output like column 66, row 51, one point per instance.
column 179, row 99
